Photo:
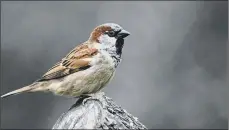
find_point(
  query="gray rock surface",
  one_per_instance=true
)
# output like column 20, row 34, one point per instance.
column 97, row 112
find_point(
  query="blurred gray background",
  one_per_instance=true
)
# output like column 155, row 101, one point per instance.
column 173, row 73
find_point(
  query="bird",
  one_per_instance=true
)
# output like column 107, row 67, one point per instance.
column 85, row 70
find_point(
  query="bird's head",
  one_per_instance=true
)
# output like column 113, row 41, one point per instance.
column 109, row 36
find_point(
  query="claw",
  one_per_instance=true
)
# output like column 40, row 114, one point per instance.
column 91, row 96
column 85, row 99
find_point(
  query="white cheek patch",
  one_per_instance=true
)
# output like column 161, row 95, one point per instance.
column 107, row 42
column 108, row 50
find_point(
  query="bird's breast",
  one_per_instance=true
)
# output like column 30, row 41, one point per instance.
column 87, row 81
column 103, row 58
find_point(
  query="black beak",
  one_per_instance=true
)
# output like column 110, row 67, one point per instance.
column 123, row 34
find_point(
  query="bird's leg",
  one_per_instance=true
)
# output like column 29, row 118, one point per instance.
column 95, row 96
column 86, row 97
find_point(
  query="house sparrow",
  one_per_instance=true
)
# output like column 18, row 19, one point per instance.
column 87, row 68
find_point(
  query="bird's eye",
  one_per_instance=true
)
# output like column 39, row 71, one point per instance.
column 111, row 33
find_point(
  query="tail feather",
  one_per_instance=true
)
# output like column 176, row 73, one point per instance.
column 29, row 88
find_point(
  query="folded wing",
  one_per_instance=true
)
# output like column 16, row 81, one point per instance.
column 78, row 59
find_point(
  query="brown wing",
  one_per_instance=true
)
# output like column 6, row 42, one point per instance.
column 78, row 59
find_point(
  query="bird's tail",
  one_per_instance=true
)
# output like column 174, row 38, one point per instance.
column 31, row 88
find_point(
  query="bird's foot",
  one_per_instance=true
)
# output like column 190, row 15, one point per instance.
column 93, row 96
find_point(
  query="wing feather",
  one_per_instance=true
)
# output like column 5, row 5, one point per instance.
column 77, row 60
